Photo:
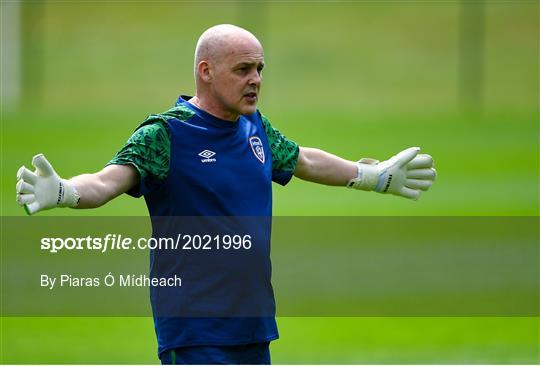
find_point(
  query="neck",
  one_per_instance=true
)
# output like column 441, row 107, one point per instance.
column 212, row 109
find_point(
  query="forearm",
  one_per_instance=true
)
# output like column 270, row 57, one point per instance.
column 319, row 166
column 99, row 188
column 93, row 190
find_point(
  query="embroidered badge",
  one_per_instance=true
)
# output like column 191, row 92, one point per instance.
column 257, row 147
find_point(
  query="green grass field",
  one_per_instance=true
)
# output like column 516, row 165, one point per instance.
column 303, row 340
column 354, row 78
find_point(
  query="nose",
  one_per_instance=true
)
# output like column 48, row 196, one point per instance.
column 255, row 79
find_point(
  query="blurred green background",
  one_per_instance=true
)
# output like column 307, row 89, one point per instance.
column 359, row 79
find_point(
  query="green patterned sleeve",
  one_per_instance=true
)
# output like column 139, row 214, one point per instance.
column 284, row 153
column 148, row 150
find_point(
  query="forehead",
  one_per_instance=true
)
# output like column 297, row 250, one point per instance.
column 243, row 50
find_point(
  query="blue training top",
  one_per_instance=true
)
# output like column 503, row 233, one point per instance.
column 220, row 170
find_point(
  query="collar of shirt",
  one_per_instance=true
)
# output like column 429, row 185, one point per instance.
column 205, row 116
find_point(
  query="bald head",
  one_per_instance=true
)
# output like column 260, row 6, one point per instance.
column 228, row 72
column 216, row 42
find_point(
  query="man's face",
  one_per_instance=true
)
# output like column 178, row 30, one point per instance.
column 236, row 78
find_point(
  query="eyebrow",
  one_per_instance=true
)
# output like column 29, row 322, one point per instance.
column 261, row 64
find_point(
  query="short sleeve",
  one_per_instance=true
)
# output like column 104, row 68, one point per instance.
column 284, row 153
column 148, row 150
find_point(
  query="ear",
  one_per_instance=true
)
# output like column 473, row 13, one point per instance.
column 205, row 71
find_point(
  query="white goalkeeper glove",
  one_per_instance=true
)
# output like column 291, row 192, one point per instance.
column 406, row 174
column 44, row 189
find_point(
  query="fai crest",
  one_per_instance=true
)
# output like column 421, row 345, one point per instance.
column 257, row 147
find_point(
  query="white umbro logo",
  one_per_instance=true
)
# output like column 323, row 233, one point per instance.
column 207, row 155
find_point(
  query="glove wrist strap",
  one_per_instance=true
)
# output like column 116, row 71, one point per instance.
column 368, row 175
column 67, row 194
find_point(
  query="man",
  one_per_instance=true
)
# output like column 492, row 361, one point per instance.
column 214, row 154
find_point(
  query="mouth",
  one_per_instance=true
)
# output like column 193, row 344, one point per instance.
column 251, row 97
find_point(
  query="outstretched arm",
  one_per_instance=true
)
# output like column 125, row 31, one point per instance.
column 406, row 174
column 44, row 189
